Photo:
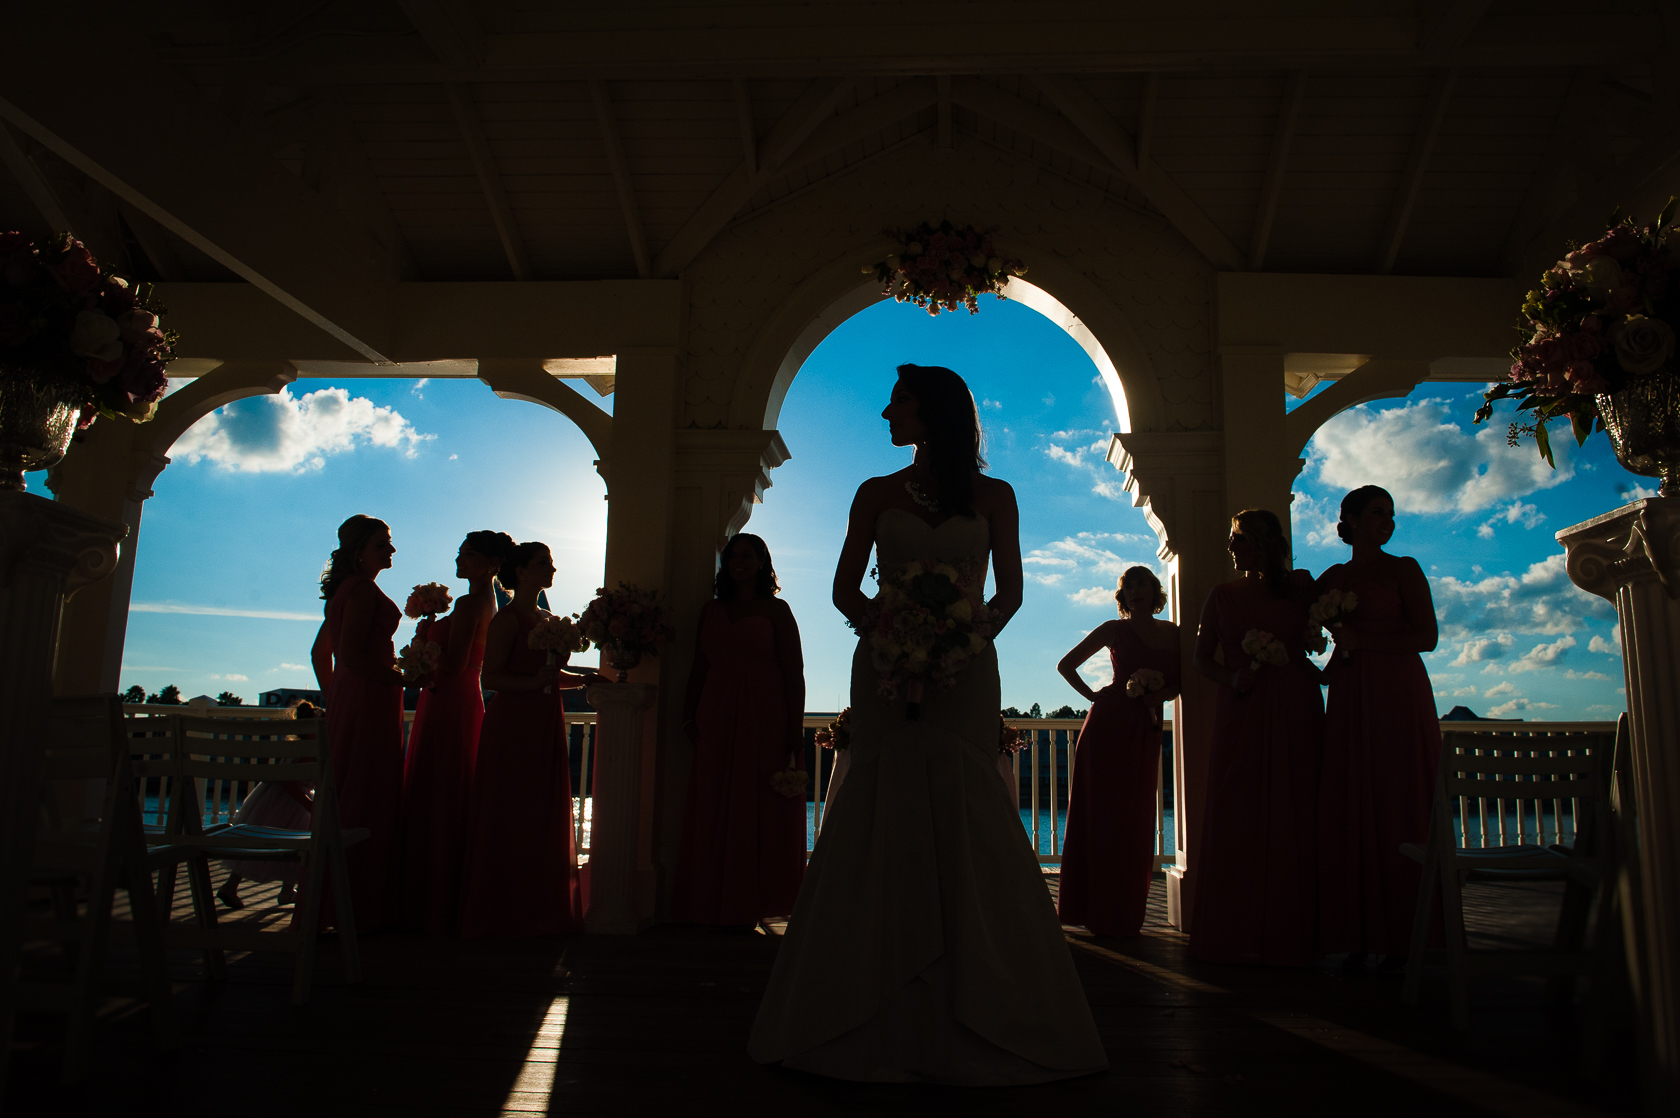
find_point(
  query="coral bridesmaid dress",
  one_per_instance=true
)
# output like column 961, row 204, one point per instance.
column 743, row 850
column 1382, row 744
column 364, row 728
column 1256, row 898
column 437, row 781
column 1109, row 856
column 520, row 875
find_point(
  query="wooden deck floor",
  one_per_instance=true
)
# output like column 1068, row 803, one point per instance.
column 656, row 1024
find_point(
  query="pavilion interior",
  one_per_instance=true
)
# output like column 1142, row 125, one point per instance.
column 671, row 203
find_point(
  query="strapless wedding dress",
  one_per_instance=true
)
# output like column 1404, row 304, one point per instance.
column 924, row 946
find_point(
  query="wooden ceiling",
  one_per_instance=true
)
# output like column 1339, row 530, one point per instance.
column 498, row 140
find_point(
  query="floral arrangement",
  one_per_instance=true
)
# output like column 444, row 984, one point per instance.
column 1143, row 681
column 943, row 267
column 837, row 735
column 559, row 636
column 1010, row 740
column 925, row 623
column 627, row 622
column 789, row 782
column 1265, row 649
column 60, row 314
column 1332, row 607
column 418, row 660
column 1602, row 317
column 427, row 600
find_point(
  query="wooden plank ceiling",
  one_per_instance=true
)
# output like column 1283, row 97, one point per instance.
column 527, row 140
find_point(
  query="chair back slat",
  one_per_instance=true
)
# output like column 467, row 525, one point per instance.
column 1543, row 789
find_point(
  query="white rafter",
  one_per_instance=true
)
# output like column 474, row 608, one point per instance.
column 1277, row 164
column 489, row 179
column 1146, row 117
column 1417, row 163
column 744, row 118
column 621, row 175
column 29, row 177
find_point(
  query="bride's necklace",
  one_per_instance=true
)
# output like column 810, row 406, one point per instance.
column 920, row 497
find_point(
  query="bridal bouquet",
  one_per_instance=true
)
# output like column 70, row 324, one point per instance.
column 626, row 624
column 789, row 782
column 1010, row 740
column 925, row 623
column 1265, row 649
column 418, row 660
column 427, row 600
column 559, row 636
column 943, row 267
column 837, row 735
column 1143, row 681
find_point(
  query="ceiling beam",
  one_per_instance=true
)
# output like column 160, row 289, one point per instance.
column 154, row 242
column 368, row 199
column 1417, row 163
column 1277, row 163
column 1445, row 25
column 1090, row 118
column 744, row 119
column 1146, row 118
column 942, row 86
column 489, row 178
column 1556, row 171
column 816, row 104
column 621, row 175
column 450, row 29
column 1637, row 185
column 34, row 184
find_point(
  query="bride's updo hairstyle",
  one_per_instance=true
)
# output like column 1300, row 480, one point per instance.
column 493, row 545
column 1265, row 532
column 1135, row 575
column 766, row 585
column 946, row 408
column 1354, row 504
column 518, row 556
column 353, row 535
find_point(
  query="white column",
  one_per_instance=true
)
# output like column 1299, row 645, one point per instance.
column 615, row 827
column 46, row 552
column 1632, row 557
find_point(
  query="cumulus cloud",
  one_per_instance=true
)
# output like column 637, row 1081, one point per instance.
column 1499, row 689
column 1463, row 692
column 1431, row 464
column 1093, row 596
column 1087, row 452
column 419, row 388
column 1484, row 648
column 1573, row 674
column 1599, row 644
column 1541, row 600
column 1084, row 554
column 290, row 434
column 285, row 667
column 1506, row 710
column 1529, row 516
column 231, row 677
column 1313, row 521
column 1635, row 492
column 220, row 611
column 993, row 403
column 1542, row 655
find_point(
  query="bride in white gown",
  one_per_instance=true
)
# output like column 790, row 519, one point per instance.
column 924, row 946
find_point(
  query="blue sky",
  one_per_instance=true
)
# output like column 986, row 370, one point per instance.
column 233, row 542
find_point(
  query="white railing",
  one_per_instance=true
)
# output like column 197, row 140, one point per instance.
column 1512, row 820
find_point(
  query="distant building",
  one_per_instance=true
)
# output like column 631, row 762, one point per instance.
column 1465, row 714
column 286, row 696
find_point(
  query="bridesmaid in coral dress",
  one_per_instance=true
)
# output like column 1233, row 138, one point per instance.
column 1109, row 856
column 356, row 665
column 1382, row 741
column 743, row 850
column 443, row 744
column 1256, row 895
column 520, row 875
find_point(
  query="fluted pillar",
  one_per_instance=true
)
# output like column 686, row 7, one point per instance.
column 615, row 826
column 1632, row 557
column 46, row 552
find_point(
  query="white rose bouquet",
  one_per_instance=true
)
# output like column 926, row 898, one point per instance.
column 1143, row 681
column 1265, row 649
column 789, row 782
column 925, row 623
column 559, row 636
column 418, row 660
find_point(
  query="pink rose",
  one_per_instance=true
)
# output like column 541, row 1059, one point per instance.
column 1642, row 344
column 76, row 272
column 617, row 626
column 1583, row 377
column 143, row 377
column 139, row 328
column 102, row 371
column 90, row 412
column 1584, row 346
column 115, row 297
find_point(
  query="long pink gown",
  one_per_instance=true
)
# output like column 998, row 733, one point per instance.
column 1109, row 856
column 1256, row 898
column 364, row 727
column 437, row 781
column 520, row 875
column 1382, row 744
column 743, row 849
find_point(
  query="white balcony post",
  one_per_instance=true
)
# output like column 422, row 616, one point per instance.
column 1632, row 557
column 615, row 827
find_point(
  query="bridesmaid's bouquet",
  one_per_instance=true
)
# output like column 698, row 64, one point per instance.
column 1265, row 649
column 926, row 622
column 1143, row 681
column 626, row 624
column 427, row 600
column 1010, row 740
column 418, row 659
column 559, row 636
column 837, row 735
column 789, row 782
column 1331, row 610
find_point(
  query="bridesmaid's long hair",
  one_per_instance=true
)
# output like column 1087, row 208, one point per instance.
column 766, row 586
column 1354, row 504
column 353, row 535
column 518, row 556
column 1264, row 530
column 946, row 408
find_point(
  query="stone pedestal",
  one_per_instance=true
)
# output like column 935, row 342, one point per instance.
column 46, row 552
column 1632, row 557
column 615, row 831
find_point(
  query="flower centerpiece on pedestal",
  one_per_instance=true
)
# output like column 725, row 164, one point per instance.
column 76, row 343
column 1599, row 349
column 944, row 266
column 626, row 624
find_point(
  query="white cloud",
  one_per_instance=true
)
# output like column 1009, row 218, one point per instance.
column 1506, row 710
column 1431, row 464
column 1529, row 516
column 285, row 667
column 1093, row 596
column 992, row 403
column 419, row 388
column 1541, row 600
column 220, row 611
column 1313, row 521
column 1463, row 692
column 1098, row 671
column 1087, row 452
column 231, row 677
column 287, row 434
column 1499, row 689
column 1599, row 644
column 1635, row 492
column 1084, row 555
column 1484, row 648
column 1573, row 674
column 1542, row 655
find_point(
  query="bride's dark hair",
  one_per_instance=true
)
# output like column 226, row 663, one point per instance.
column 353, row 535
column 946, row 408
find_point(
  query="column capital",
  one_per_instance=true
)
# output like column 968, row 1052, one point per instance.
column 1635, row 543
column 736, row 463
column 50, row 536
